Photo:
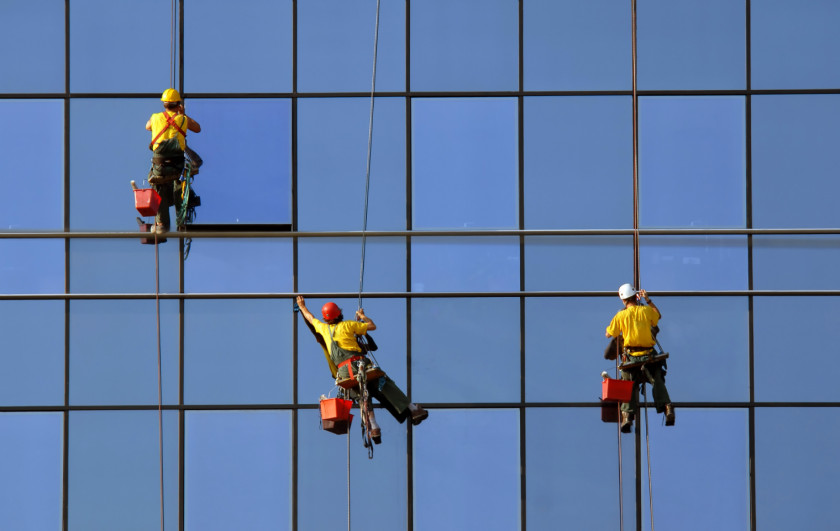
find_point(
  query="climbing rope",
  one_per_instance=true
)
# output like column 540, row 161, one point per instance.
column 620, row 451
column 159, row 378
column 647, row 445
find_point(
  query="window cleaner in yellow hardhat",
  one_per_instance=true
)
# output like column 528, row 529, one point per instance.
column 169, row 143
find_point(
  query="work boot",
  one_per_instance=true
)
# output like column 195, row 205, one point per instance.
column 418, row 414
column 375, row 432
column 670, row 418
column 626, row 422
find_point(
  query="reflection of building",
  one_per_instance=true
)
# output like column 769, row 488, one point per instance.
column 478, row 131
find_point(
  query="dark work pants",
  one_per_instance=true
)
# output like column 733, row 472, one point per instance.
column 657, row 379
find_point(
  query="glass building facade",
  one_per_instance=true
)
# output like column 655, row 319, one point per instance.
column 527, row 159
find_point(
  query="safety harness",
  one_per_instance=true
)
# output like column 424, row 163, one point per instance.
column 170, row 122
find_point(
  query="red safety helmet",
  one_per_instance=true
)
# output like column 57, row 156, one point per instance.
column 330, row 311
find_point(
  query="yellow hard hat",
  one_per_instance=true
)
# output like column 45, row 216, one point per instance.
column 170, row 95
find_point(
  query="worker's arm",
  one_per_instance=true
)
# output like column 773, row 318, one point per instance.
column 192, row 125
column 304, row 311
column 643, row 294
column 360, row 314
column 149, row 125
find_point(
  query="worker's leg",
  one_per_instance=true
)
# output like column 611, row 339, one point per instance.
column 660, row 392
column 166, row 194
column 389, row 395
column 633, row 404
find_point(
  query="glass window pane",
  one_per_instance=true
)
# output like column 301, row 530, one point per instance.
column 706, row 452
column 571, row 479
column 470, row 364
column 691, row 45
column 575, row 263
column 113, row 352
column 456, row 46
column 456, row 451
column 32, row 266
column 247, row 49
column 571, row 45
column 254, row 265
column 120, row 47
column 332, row 163
column 568, row 181
column 237, row 351
column 389, row 315
column 237, row 470
column 121, row 266
column 693, row 263
column 692, row 161
column 796, row 465
column 796, row 262
column 335, row 46
column 465, row 264
column 32, row 459
column 786, row 326
column 246, row 176
column 794, row 154
column 334, row 264
column 464, row 163
column 33, row 344
column 100, row 170
column 32, row 68
column 322, row 454
column 114, row 478
column 793, row 44
column 32, row 149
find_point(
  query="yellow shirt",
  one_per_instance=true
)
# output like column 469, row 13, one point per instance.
column 159, row 123
column 343, row 332
column 634, row 323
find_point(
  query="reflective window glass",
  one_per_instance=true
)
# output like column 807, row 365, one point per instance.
column 570, row 45
column 575, row 263
column 32, row 68
column 706, row 453
column 796, row 262
column 245, row 143
column 691, row 45
column 32, row 459
column 314, row 377
column 113, row 352
column 456, row 46
column 121, row 265
column 464, row 163
column 237, row 470
column 120, row 47
column 456, row 369
column 109, row 146
column 793, row 44
column 334, row 264
column 335, row 46
column 237, row 351
column 32, row 266
column 33, row 353
column 794, row 160
column 692, row 161
column 252, row 265
column 465, row 264
column 571, row 477
column 24, row 160
column 796, row 464
column 795, row 326
column 565, row 336
column 693, row 263
column 452, row 455
column 322, row 454
column 568, row 181
column 332, row 164
column 114, row 478
column 247, row 49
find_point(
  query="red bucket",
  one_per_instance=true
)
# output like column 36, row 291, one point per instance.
column 339, row 427
column 609, row 411
column 335, row 409
column 616, row 390
column 146, row 201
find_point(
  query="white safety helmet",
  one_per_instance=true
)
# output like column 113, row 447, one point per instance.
column 626, row 291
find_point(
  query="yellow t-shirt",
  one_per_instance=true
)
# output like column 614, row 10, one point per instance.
column 634, row 323
column 343, row 332
column 159, row 123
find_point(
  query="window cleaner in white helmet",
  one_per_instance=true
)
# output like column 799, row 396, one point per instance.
column 635, row 323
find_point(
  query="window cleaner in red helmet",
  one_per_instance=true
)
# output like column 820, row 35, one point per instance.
column 636, row 323
column 338, row 338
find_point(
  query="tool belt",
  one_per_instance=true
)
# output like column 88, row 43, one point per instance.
column 349, row 363
column 637, row 349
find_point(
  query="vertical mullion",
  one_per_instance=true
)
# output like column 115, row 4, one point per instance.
column 409, row 226
column 750, row 286
column 181, row 310
column 294, row 220
column 521, row 224
column 66, row 224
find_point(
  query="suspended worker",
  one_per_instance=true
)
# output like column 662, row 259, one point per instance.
column 635, row 324
column 339, row 340
column 169, row 143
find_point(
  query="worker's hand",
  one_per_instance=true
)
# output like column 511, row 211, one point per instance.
column 300, row 302
column 360, row 314
column 643, row 294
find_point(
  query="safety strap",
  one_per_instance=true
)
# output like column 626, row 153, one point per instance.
column 349, row 363
column 170, row 122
